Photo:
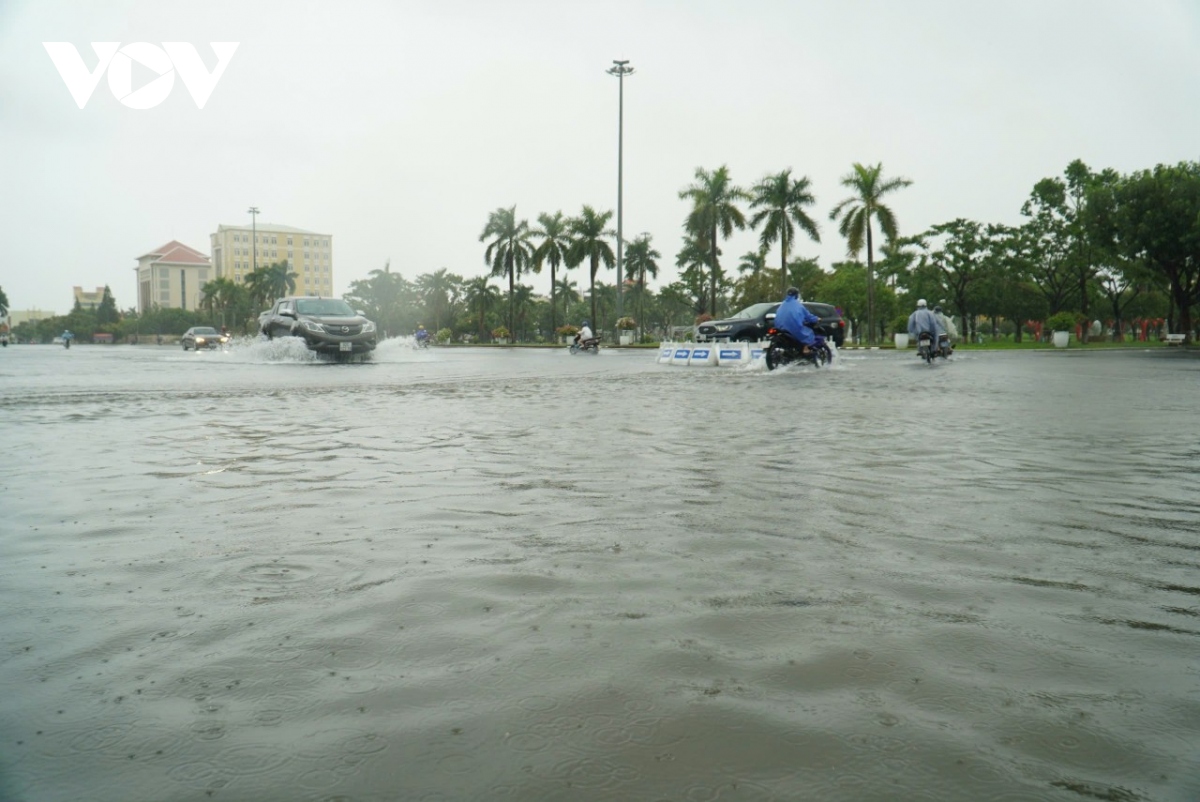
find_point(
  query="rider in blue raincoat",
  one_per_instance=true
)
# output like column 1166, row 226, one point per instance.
column 794, row 318
column 923, row 320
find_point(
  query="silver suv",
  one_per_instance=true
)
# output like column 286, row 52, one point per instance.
column 327, row 325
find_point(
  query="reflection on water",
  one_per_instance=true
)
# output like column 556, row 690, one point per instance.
column 507, row 574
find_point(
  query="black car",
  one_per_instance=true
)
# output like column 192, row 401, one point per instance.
column 751, row 324
column 327, row 325
column 198, row 337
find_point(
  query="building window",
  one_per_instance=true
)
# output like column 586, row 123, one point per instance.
column 289, row 240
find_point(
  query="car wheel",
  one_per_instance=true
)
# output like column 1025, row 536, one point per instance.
column 184, row 346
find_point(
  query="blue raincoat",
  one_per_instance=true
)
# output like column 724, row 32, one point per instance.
column 923, row 320
column 794, row 318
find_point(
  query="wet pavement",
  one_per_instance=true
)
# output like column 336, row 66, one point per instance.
column 517, row 574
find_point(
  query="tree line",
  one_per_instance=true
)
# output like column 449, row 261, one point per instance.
column 1095, row 244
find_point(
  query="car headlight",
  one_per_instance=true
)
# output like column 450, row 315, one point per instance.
column 725, row 327
column 312, row 326
column 368, row 327
column 199, row 340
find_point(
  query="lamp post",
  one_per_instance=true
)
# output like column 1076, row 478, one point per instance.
column 620, row 69
column 254, row 237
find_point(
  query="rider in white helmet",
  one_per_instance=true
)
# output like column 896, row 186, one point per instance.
column 921, row 321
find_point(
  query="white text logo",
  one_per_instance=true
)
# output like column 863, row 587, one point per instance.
column 164, row 61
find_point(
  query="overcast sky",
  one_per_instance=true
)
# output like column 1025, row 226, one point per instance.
column 396, row 127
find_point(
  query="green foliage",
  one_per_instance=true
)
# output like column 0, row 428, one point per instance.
column 443, row 336
column 714, row 214
column 626, row 323
column 780, row 201
column 1062, row 321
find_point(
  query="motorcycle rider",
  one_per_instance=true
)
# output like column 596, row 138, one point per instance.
column 947, row 326
column 67, row 336
column 923, row 321
column 794, row 318
column 585, row 335
column 422, row 335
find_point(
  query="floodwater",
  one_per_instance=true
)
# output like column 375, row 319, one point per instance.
column 507, row 574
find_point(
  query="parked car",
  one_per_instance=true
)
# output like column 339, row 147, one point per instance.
column 751, row 324
column 198, row 337
column 327, row 325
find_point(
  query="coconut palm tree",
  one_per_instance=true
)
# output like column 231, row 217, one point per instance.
column 856, row 211
column 568, row 291
column 640, row 261
column 438, row 290
column 753, row 262
column 510, row 253
column 589, row 241
column 481, row 297
column 714, row 212
column 553, row 248
column 780, row 200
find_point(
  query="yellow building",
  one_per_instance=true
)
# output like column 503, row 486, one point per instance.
column 88, row 300
column 308, row 254
column 171, row 277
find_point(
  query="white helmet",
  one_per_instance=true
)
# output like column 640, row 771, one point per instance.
column 921, row 304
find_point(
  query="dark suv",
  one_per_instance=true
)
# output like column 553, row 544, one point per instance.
column 327, row 325
column 751, row 324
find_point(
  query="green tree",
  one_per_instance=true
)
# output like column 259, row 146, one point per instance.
column 107, row 314
column 439, row 291
column 510, row 252
column 386, row 298
column 780, row 200
column 641, row 260
column 856, row 213
column 481, row 298
column 714, row 214
column 958, row 250
column 554, row 232
column 589, row 242
column 753, row 262
column 1154, row 216
column 3, row 304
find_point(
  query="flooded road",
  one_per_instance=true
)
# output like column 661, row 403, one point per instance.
column 504, row 574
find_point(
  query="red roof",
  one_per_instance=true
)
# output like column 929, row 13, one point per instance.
column 177, row 253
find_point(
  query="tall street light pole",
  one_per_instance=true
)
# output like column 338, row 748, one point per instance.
column 620, row 69
column 254, row 237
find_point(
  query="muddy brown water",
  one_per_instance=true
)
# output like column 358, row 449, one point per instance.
column 509, row 574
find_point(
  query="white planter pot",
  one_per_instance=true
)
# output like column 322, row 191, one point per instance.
column 1061, row 339
column 627, row 338
column 901, row 340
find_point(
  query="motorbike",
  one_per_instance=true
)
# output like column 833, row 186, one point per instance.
column 66, row 342
column 784, row 349
column 591, row 346
column 928, row 351
column 944, row 348
column 421, row 342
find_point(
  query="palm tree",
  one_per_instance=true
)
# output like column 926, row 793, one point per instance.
column 714, row 211
column 524, row 301
column 568, row 291
column 553, row 248
column 856, row 212
column 640, row 261
column 590, row 242
column 437, row 292
column 481, row 297
column 780, row 200
column 510, row 253
column 753, row 262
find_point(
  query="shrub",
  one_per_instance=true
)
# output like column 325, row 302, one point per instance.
column 703, row 318
column 443, row 336
column 568, row 330
column 500, row 332
column 626, row 323
column 1062, row 321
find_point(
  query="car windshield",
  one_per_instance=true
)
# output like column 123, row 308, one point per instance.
column 203, row 330
column 758, row 310
column 324, row 306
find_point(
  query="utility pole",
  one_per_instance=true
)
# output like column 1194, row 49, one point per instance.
column 254, row 236
column 620, row 69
